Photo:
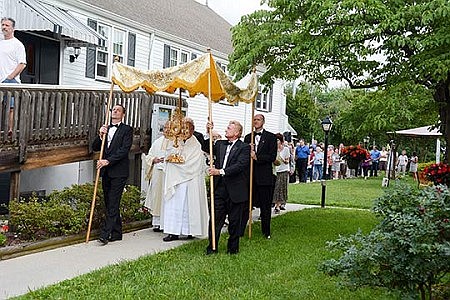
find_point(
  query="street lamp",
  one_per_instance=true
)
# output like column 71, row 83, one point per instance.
column 326, row 126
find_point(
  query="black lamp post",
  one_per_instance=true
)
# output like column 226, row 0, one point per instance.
column 326, row 126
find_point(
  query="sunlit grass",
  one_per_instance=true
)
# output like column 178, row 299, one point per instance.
column 352, row 192
column 284, row 267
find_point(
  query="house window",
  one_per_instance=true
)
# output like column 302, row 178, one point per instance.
column 100, row 59
column 264, row 99
column 174, row 56
column 118, row 44
column 184, row 57
column 103, row 52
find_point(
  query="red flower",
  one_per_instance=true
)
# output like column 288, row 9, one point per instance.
column 354, row 153
column 438, row 173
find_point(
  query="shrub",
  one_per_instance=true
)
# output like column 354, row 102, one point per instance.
column 408, row 251
column 423, row 165
column 2, row 239
column 67, row 212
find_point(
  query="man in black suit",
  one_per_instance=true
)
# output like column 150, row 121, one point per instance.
column 230, row 171
column 263, row 152
column 114, row 167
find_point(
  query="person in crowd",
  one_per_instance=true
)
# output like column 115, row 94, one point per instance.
column 263, row 153
column 318, row 163
column 12, row 61
column 313, row 144
column 114, row 168
column 375, row 155
column 383, row 159
column 365, row 166
column 310, row 168
column 413, row 162
column 292, row 163
column 343, row 164
column 154, row 172
column 402, row 161
column 336, row 164
column 185, row 204
column 330, row 152
column 301, row 160
column 282, row 170
column 231, row 186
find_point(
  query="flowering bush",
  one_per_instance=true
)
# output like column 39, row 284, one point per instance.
column 438, row 173
column 354, row 153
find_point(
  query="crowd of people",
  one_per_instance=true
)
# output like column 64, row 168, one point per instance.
column 307, row 162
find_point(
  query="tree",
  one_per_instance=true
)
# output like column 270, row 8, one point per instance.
column 377, row 112
column 302, row 110
column 367, row 44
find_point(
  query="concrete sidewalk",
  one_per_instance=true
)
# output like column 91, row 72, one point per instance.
column 23, row 274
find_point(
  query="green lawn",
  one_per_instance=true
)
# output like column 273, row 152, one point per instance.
column 284, row 267
column 353, row 192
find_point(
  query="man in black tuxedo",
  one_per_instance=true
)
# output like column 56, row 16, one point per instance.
column 114, row 167
column 263, row 152
column 230, row 171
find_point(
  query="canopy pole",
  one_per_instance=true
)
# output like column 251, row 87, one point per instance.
column 97, row 176
column 211, row 177
column 250, row 208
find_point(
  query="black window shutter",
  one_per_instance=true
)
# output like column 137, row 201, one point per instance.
column 91, row 53
column 131, row 49
column 270, row 96
column 193, row 56
column 166, row 59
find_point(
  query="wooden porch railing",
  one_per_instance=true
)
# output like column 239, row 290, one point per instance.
column 56, row 124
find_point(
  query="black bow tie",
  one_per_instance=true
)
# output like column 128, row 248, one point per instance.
column 258, row 133
column 229, row 143
column 114, row 125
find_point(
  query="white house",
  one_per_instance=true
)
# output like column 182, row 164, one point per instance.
column 72, row 42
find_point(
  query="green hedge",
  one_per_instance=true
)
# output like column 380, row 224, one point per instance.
column 67, row 212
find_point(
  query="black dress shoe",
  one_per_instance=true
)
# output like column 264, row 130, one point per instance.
column 157, row 229
column 232, row 252
column 170, row 237
column 189, row 237
column 103, row 241
column 116, row 238
column 210, row 251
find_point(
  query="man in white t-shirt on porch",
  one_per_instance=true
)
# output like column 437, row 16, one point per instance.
column 12, row 61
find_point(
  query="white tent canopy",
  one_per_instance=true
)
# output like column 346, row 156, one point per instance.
column 420, row 131
column 424, row 131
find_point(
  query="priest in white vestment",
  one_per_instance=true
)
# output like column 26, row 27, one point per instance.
column 185, row 204
column 154, row 172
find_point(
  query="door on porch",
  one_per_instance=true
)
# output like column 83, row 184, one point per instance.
column 43, row 56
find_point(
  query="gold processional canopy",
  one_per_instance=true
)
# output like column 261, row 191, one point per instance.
column 191, row 76
column 199, row 76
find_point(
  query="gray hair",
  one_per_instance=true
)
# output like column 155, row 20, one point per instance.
column 13, row 22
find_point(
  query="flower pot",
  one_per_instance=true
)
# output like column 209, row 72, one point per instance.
column 353, row 163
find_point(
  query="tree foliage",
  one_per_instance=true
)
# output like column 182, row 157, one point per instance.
column 408, row 251
column 302, row 110
column 360, row 113
column 367, row 44
column 373, row 113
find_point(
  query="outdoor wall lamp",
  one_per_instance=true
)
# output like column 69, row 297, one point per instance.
column 76, row 53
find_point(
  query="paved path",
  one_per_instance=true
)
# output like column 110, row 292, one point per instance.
column 22, row 274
